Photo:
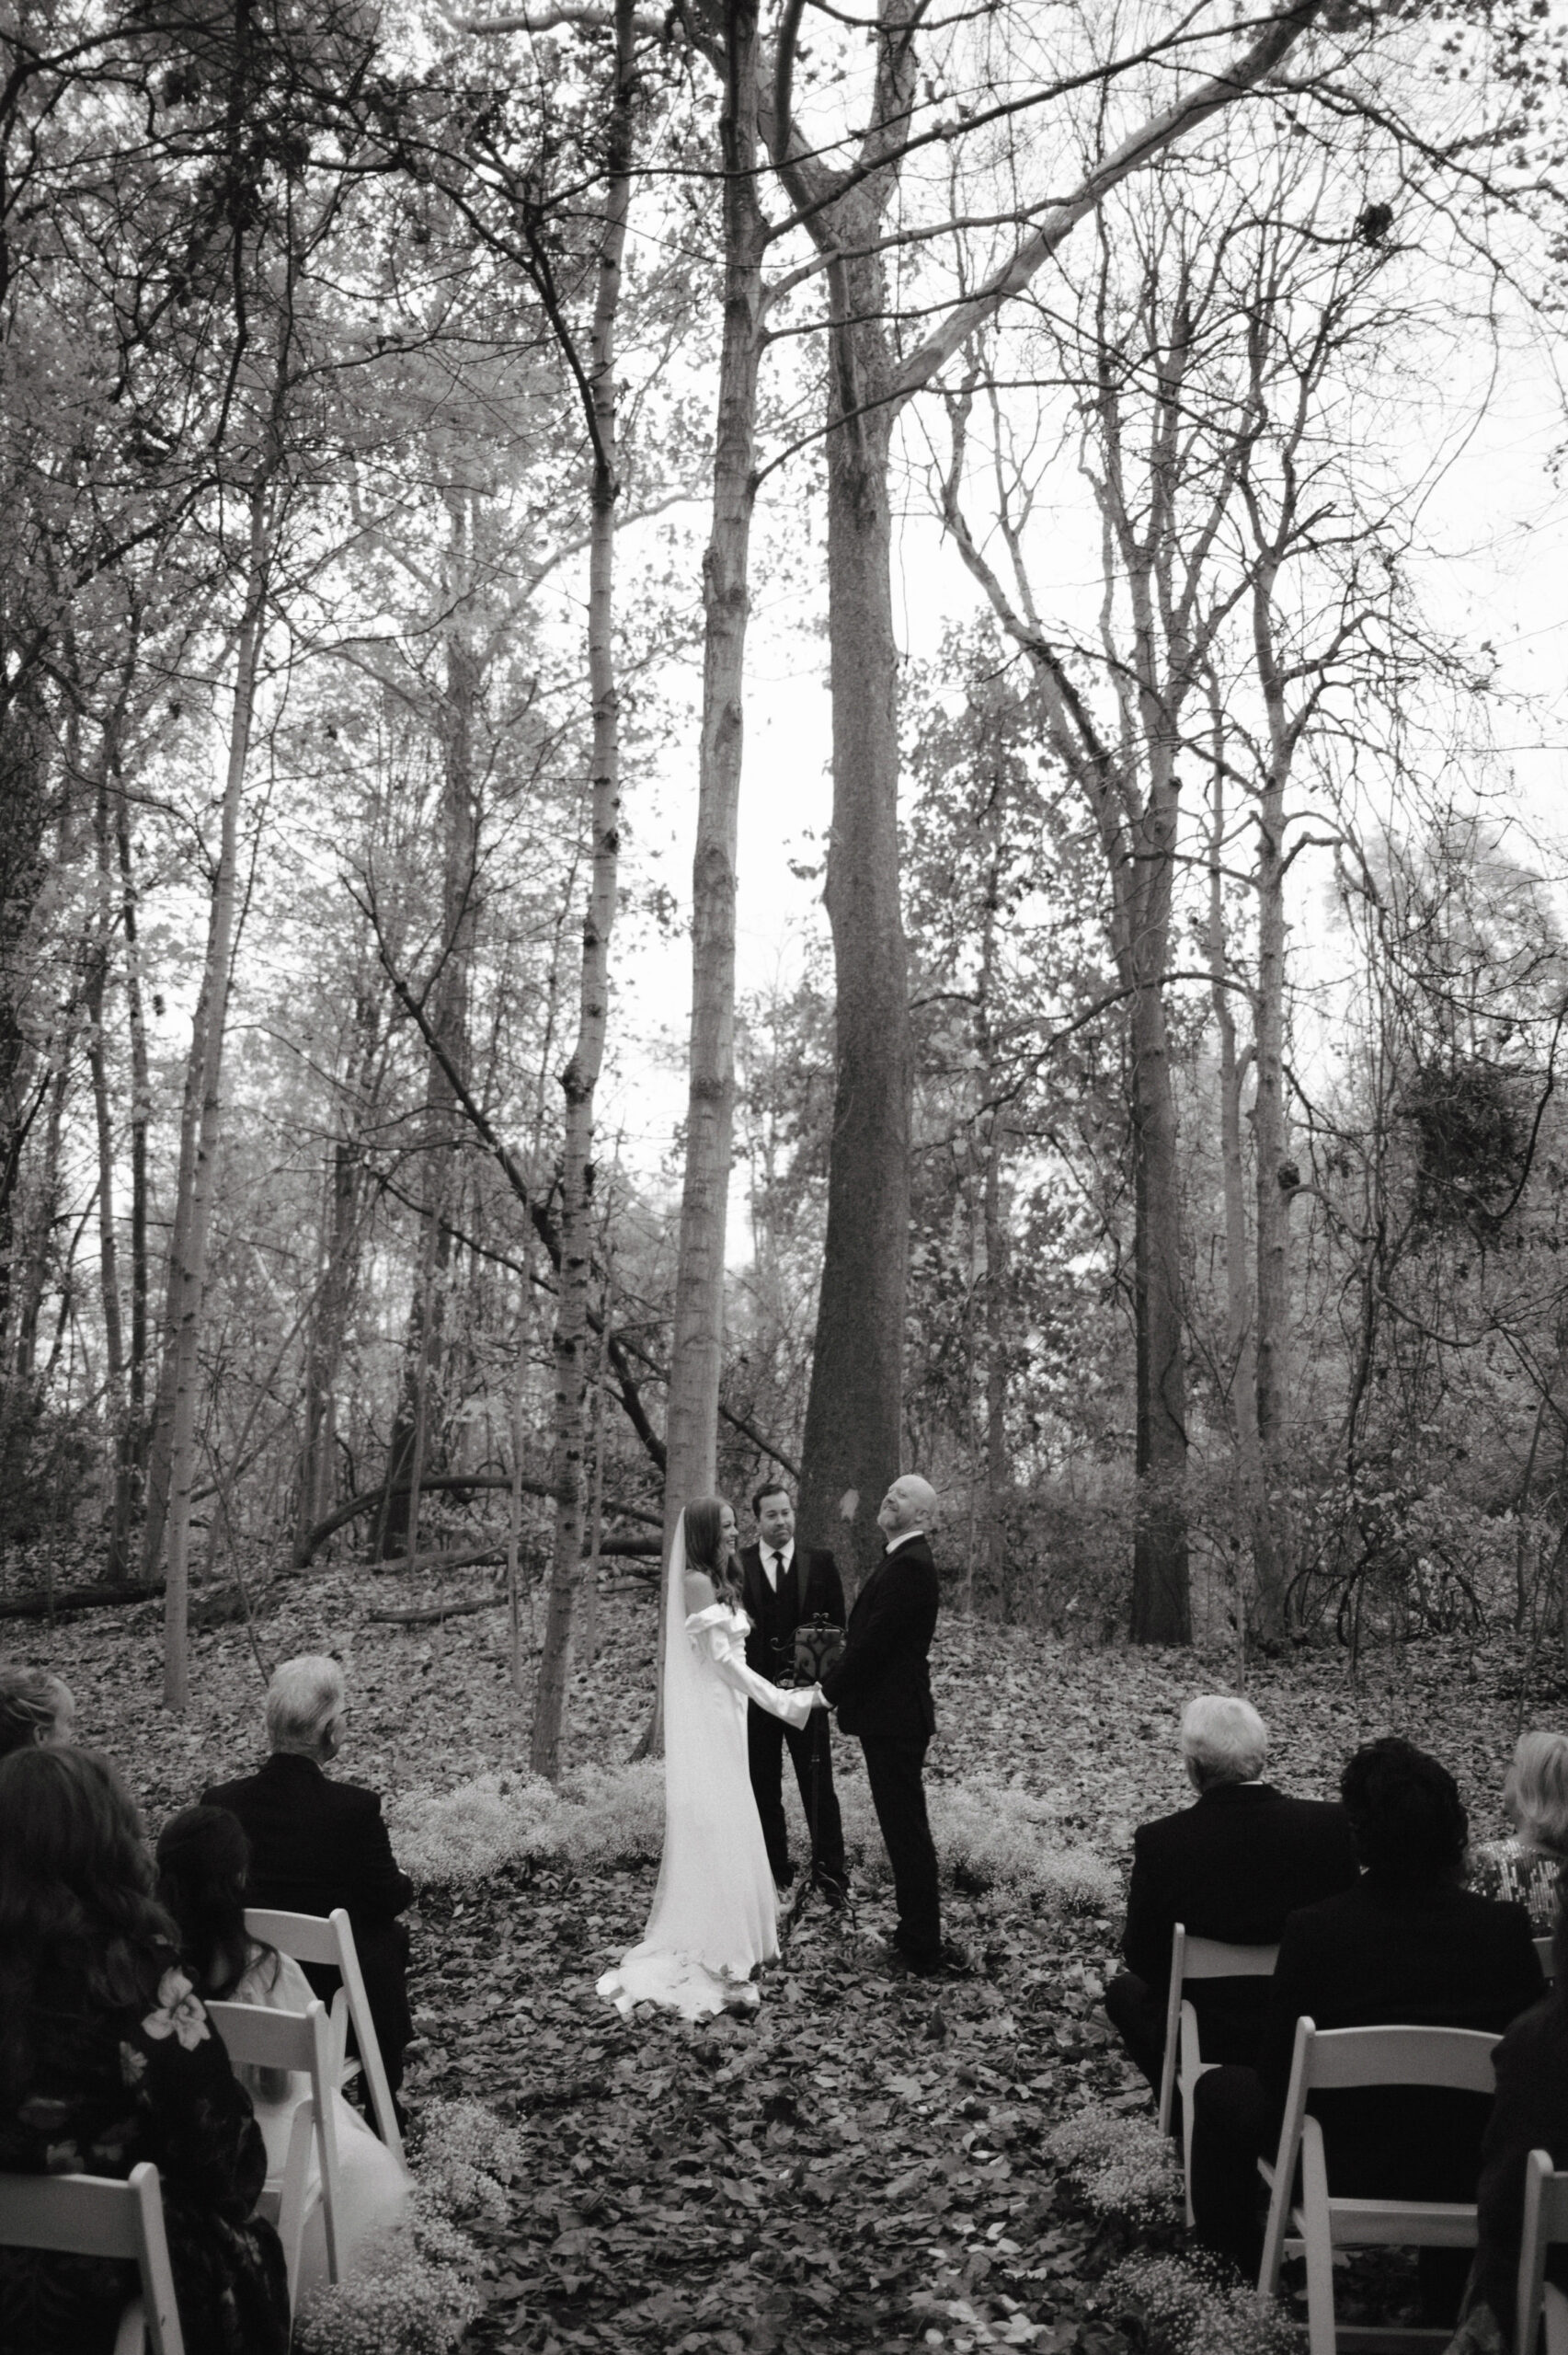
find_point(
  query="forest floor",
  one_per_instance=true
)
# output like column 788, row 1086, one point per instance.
column 860, row 2165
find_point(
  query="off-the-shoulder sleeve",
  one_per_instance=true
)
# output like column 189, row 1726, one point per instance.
column 720, row 1636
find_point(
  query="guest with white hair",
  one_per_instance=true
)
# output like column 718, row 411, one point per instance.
column 1230, row 1867
column 316, row 1842
column 37, row 1710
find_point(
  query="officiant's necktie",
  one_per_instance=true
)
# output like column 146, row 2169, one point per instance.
column 775, row 1566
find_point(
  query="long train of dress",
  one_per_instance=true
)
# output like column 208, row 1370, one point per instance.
column 715, row 1915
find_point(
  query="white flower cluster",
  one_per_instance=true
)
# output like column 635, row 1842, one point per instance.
column 1124, row 2166
column 1183, row 2309
column 464, row 1835
column 464, row 2151
column 418, row 2297
column 401, row 2304
column 1000, row 1837
column 600, row 1816
column 989, row 1835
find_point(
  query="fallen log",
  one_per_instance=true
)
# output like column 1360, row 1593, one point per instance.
column 425, row 1615
column 69, row 1599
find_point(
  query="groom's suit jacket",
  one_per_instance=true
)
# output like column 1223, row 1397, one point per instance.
column 810, row 1589
column 881, row 1686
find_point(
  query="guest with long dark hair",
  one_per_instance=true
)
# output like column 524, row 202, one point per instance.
column 203, row 1861
column 107, row 2058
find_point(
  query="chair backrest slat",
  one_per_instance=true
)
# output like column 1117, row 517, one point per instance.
column 88, row 2215
column 265, row 2039
column 1457, row 2060
column 1215, row 1958
column 309, row 1937
column 95, row 2218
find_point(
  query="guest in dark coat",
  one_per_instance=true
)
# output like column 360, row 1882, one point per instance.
column 1406, row 1945
column 316, row 1845
column 1230, row 1867
column 881, row 1689
column 781, row 1584
column 107, row 2059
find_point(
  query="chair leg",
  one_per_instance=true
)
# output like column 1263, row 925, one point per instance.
column 1554, row 2313
column 1321, row 2336
column 1279, row 2181
column 132, row 2337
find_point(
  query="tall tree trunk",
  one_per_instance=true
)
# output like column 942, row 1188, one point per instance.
column 1240, row 1353
column 335, row 1291
column 160, row 1432
column 1276, row 1181
column 853, row 1414
column 697, row 1351
column 115, row 1566
column 134, row 1458
column 580, row 1078
column 1162, row 1611
column 187, row 1275
column 853, row 1439
column 449, row 1006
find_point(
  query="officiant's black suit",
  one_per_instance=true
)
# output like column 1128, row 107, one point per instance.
column 809, row 1588
column 881, row 1689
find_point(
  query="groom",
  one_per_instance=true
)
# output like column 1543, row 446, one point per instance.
column 780, row 1585
column 881, row 1688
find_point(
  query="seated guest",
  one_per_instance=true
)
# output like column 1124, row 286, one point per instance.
column 1530, row 2113
column 1524, row 1869
column 202, row 1864
column 316, row 1845
column 107, row 2058
column 34, row 1707
column 1230, row 1867
column 1408, row 1944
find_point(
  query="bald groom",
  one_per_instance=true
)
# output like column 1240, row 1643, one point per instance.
column 881, row 1688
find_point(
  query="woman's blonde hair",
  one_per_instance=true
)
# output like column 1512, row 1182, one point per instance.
column 1535, row 1791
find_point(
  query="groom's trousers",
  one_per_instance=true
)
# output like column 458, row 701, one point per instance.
column 765, row 1737
column 898, row 1793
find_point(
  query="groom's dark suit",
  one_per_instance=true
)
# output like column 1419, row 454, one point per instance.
column 881, row 1689
column 808, row 1588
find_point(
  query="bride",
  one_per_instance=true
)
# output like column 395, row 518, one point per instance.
column 715, row 1913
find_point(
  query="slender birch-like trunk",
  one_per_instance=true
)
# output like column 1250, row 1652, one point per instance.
column 696, row 1355
column 1240, row 1354
column 1276, row 1181
column 188, row 1274
column 141, row 1117
column 580, row 1078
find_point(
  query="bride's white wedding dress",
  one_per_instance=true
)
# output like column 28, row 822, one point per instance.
column 714, row 1914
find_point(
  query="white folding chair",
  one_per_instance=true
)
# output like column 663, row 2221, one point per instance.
column 1193, row 1958
column 313, row 1937
column 1457, row 2060
column 1546, row 2220
column 95, row 2215
column 268, row 2039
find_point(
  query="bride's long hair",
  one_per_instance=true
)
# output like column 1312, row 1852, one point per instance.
column 705, row 1550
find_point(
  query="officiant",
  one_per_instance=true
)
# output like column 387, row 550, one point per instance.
column 782, row 1585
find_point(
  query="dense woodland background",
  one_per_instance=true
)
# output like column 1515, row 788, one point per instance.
column 1164, row 1153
